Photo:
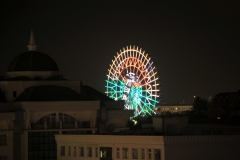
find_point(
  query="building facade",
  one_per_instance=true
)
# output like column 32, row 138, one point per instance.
column 110, row 147
column 36, row 103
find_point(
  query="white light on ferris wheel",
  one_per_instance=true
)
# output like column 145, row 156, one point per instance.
column 133, row 78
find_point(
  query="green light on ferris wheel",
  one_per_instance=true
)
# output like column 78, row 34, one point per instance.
column 132, row 78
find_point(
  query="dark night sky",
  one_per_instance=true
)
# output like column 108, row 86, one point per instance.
column 195, row 45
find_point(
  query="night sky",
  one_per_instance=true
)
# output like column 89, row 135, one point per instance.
column 194, row 45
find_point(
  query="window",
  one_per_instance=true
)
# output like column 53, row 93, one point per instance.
column 50, row 118
column 75, row 152
column 142, row 153
column 157, row 154
column 96, row 151
column 14, row 94
column 117, row 152
column 42, row 145
column 134, row 153
column 66, row 118
column 149, row 154
column 3, row 140
column 60, row 117
column 81, row 151
column 89, row 151
column 69, row 150
column 62, row 150
column 105, row 153
column 125, row 153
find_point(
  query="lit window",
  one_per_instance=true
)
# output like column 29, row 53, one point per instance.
column 142, row 153
column 134, row 153
column 118, row 153
column 105, row 153
column 62, row 150
column 125, row 153
column 69, row 151
column 81, row 151
column 89, row 151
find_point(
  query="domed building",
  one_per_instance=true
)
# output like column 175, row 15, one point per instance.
column 32, row 64
column 36, row 103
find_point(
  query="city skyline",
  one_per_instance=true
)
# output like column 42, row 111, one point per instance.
column 195, row 46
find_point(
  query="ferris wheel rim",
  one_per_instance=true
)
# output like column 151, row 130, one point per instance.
column 149, row 88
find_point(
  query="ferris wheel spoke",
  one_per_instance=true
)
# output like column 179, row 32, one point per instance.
column 132, row 77
column 152, row 80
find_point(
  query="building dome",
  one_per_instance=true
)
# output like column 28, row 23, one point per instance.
column 32, row 61
column 49, row 93
column 32, row 64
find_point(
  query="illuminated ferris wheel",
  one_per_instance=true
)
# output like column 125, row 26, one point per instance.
column 132, row 77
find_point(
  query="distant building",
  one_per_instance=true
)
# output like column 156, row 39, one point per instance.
column 225, row 104
column 173, row 109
